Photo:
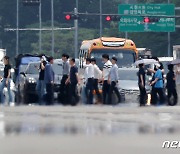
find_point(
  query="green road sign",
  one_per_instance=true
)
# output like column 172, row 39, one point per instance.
column 133, row 23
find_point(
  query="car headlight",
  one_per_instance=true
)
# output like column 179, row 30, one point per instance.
column 32, row 80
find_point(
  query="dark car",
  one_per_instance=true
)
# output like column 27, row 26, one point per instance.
column 28, row 82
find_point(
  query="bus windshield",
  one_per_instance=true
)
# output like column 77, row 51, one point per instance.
column 126, row 58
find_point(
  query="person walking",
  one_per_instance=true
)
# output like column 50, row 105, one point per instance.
column 171, row 85
column 106, row 70
column 40, row 87
column 90, row 81
column 49, row 80
column 158, row 86
column 73, row 80
column 6, row 80
column 177, row 71
column 141, row 83
column 113, row 80
column 97, row 76
column 64, row 88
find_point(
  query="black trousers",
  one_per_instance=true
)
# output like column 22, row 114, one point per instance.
column 97, row 89
column 106, row 87
column 115, row 89
column 50, row 94
column 158, row 92
column 172, row 92
column 143, row 96
column 89, row 90
column 153, row 96
column 73, row 95
column 64, row 90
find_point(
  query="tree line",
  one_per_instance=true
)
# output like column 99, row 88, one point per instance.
column 64, row 40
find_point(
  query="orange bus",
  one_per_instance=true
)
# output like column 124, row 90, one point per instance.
column 123, row 49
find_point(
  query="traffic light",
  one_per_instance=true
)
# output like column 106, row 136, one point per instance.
column 71, row 16
column 68, row 17
column 150, row 19
column 112, row 18
column 31, row 2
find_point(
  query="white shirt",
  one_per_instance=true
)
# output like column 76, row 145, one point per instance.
column 97, row 72
column 89, row 71
column 114, row 73
column 106, row 69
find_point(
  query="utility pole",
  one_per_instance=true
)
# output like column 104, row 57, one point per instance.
column 40, row 27
column 169, row 40
column 77, row 4
column 17, row 27
column 100, row 24
column 52, row 26
column 76, row 34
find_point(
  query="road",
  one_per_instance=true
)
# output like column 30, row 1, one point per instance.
column 82, row 129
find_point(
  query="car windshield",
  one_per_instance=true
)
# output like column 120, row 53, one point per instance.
column 126, row 58
column 33, row 68
column 128, row 75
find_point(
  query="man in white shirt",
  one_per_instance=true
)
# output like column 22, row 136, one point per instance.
column 97, row 76
column 106, row 70
column 113, row 80
column 90, row 80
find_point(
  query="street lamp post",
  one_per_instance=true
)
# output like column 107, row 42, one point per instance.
column 17, row 27
column 40, row 27
column 100, row 18
column 169, row 40
column 52, row 26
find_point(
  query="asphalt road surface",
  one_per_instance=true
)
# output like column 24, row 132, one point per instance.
column 125, row 129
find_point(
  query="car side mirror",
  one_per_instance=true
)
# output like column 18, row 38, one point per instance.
column 23, row 73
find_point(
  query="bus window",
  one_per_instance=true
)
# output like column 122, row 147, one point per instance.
column 126, row 58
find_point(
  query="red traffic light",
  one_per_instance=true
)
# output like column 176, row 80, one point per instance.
column 68, row 17
column 108, row 18
column 146, row 20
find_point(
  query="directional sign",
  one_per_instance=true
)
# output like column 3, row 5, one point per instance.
column 132, row 23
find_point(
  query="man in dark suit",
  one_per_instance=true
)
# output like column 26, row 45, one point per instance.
column 49, row 80
column 73, row 80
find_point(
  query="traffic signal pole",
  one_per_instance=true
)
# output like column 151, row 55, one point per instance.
column 52, row 26
column 76, row 34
